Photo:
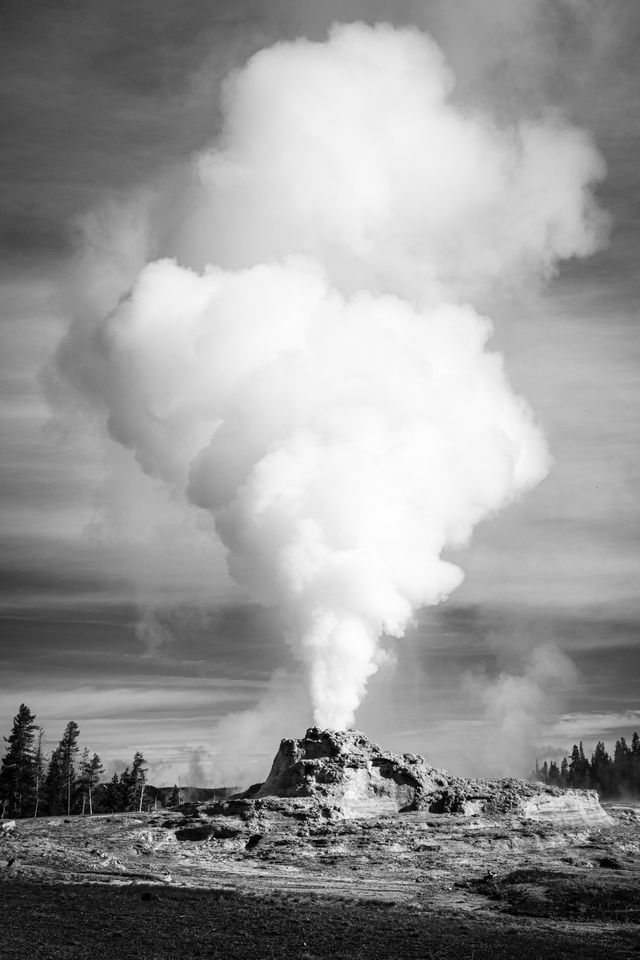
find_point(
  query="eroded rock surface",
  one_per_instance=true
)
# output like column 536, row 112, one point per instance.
column 344, row 774
column 347, row 771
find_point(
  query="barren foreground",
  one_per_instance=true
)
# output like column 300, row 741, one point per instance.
column 278, row 884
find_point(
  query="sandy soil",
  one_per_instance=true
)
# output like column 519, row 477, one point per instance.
column 417, row 885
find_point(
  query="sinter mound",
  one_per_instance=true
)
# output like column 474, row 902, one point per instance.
column 347, row 775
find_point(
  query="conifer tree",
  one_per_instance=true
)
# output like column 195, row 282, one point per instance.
column 113, row 799
column 82, row 779
column 17, row 773
column 575, row 768
column 61, row 775
column 584, row 768
column 125, row 790
column 600, row 769
column 55, row 783
column 91, row 770
column 39, row 770
column 634, row 764
column 138, row 781
column 611, row 776
column 68, row 751
column 621, row 766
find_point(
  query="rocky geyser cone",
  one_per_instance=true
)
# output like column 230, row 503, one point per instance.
column 346, row 773
column 347, row 770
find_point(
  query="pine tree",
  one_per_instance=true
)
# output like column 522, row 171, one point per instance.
column 68, row 751
column 634, row 763
column 611, row 776
column 600, row 769
column 83, row 778
column 621, row 766
column 126, row 790
column 91, row 770
column 138, row 781
column 61, row 775
column 55, row 783
column 113, row 794
column 17, row 773
column 39, row 771
column 584, row 768
column 575, row 768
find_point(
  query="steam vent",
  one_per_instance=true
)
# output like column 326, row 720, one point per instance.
column 344, row 774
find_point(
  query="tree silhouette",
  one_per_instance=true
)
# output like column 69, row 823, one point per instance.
column 610, row 776
column 54, row 784
column 68, row 751
column 39, row 771
column 18, row 770
column 91, row 770
column 138, row 781
column 61, row 775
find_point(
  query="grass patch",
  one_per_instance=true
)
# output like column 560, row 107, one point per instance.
column 610, row 895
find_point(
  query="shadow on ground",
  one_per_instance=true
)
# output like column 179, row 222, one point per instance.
column 156, row 923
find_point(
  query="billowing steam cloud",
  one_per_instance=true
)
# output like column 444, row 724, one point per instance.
column 305, row 365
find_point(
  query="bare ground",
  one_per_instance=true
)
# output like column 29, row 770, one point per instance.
column 417, row 885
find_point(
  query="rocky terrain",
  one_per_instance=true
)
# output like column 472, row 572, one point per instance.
column 344, row 774
column 343, row 851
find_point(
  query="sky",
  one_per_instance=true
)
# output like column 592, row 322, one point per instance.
column 117, row 606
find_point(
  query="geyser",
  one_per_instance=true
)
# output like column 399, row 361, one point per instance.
column 300, row 357
column 332, row 773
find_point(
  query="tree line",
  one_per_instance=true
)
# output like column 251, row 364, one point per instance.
column 611, row 776
column 69, row 781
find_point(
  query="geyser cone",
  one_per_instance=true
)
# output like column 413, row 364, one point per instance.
column 342, row 773
column 344, row 769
